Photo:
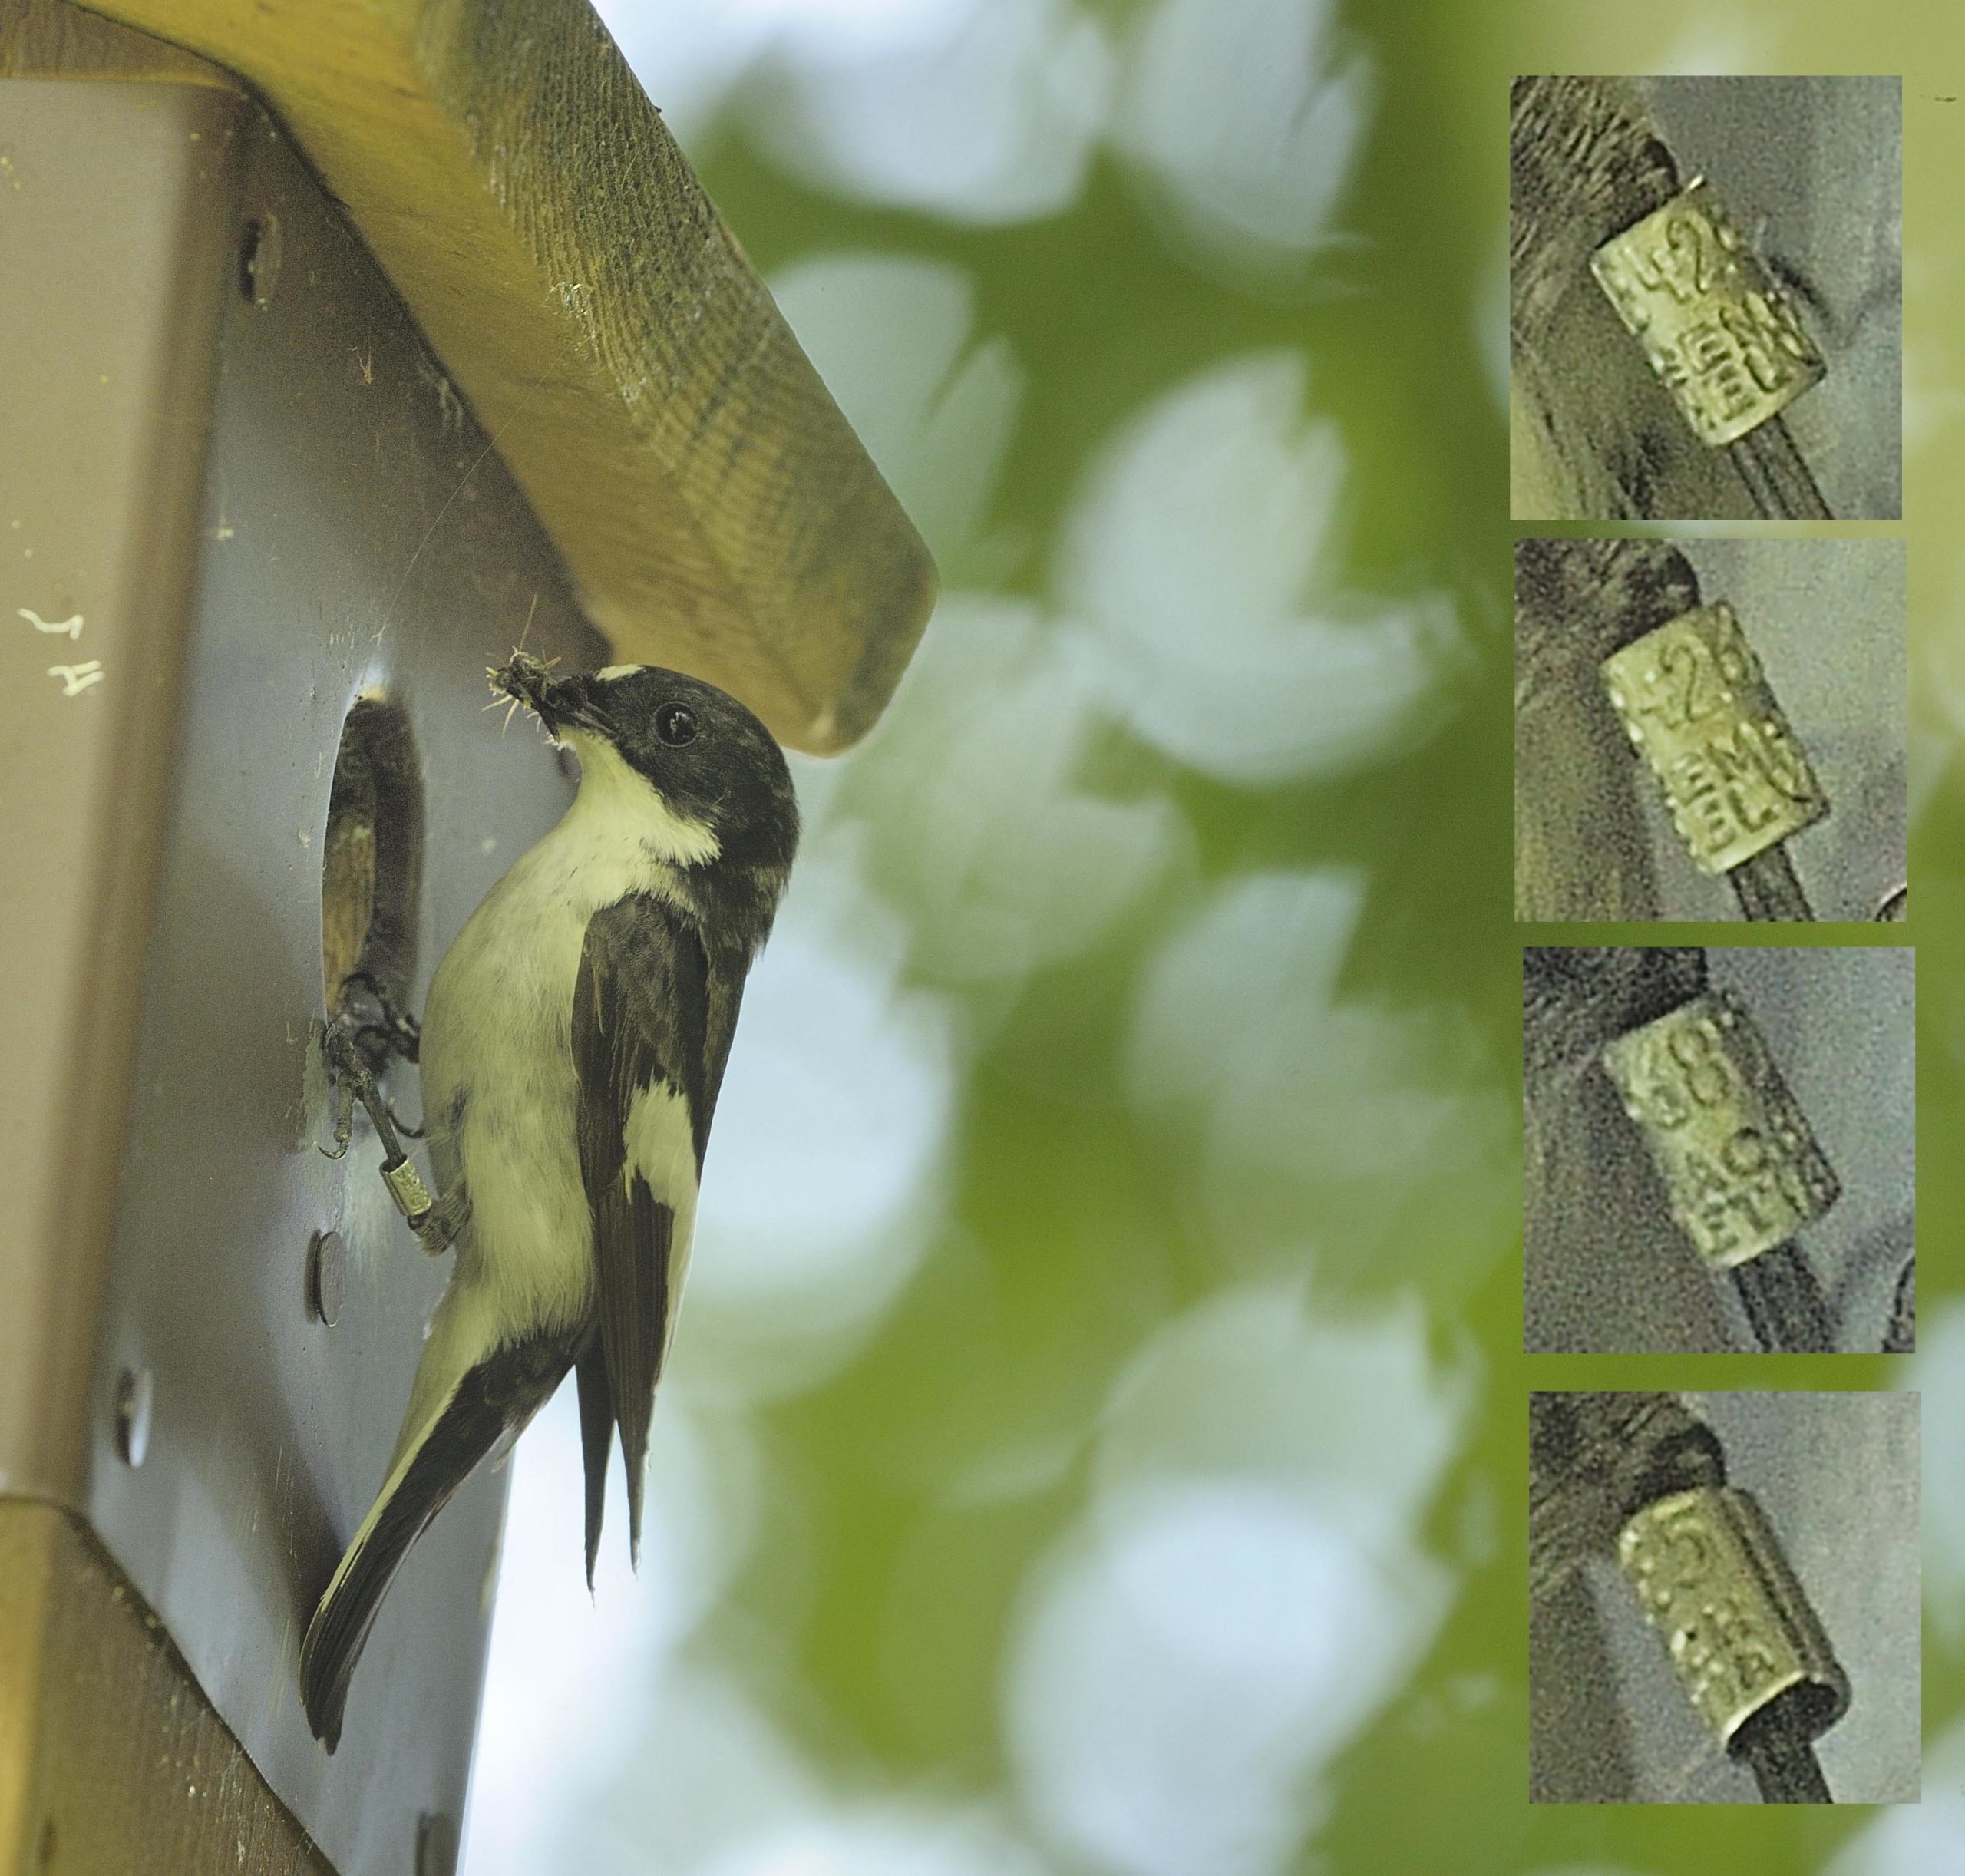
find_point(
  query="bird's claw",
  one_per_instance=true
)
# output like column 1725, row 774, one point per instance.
column 342, row 1106
column 346, row 1058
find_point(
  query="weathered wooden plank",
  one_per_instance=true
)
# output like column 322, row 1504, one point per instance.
column 522, row 192
column 110, row 1759
column 117, row 235
column 52, row 39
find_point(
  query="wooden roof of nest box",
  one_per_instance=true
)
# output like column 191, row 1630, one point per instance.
column 506, row 168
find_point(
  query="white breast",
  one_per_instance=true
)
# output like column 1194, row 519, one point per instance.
column 498, row 1031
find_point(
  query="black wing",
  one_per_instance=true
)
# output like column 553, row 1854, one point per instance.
column 652, row 1013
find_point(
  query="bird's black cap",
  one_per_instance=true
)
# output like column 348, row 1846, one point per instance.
column 709, row 759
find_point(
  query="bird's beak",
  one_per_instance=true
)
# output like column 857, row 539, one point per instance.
column 560, row 703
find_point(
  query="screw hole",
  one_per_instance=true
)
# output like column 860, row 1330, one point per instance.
column 325, row 1266
column 259, row 261
column 134, row 1397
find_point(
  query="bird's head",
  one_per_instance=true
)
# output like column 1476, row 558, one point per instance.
column 716, row 779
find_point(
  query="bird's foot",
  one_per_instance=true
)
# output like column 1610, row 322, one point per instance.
column 378, row 1028
column 352, row 1079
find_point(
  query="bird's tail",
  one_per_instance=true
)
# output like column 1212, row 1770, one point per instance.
column 438, row 1452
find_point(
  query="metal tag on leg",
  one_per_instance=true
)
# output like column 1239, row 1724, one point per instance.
column 1712, row 1580
column 1694, row 702
column 407, row 1188
column 1719, row 332
column 1741, row 1170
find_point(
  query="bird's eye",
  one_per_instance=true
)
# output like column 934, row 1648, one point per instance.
column 676, row 724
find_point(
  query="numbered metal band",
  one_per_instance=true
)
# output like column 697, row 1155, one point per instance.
column 407, row 1188
column 1718, row 331
column 1694, row 700
column 1741, row 1170
column 1711, row 1578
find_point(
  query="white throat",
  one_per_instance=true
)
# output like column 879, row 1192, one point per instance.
column 618, row 798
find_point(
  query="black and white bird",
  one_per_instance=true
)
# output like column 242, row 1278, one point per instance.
column 572, row 1045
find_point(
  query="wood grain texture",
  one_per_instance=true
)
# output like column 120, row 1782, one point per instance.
column 110, row 1759
column 52, row 39
column 523, row 194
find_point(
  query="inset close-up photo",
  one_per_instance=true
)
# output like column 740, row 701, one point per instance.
column 1705, row 297
column 1718, row 1150
column 1724, row 1598
column 1708, row 730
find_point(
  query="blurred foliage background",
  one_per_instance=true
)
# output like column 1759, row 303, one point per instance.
column 1095, row 1438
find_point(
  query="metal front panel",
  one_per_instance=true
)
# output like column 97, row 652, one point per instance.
column 358, row 537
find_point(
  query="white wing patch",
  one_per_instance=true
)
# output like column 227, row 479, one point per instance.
column 659, row 1144
column 661, row 1148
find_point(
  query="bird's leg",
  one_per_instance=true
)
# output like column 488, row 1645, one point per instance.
column 381, row 1033
column 353, row 1080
